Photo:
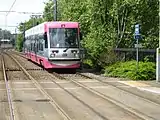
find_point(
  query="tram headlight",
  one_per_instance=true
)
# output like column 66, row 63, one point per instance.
column 76, row 55
column 52, row 55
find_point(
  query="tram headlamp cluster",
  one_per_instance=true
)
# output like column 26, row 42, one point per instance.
column 76, row 54
column 74, row 51
column 52, row 55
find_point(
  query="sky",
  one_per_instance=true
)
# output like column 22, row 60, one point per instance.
column 13, row 19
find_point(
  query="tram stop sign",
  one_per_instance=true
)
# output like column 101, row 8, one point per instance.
column 137, row 29
column 137, row 35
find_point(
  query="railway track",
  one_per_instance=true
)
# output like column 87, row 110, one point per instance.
column 108, row 83
column 147, row 98
column 8, row 90
column 99, row 113
column 47, row 97
column 37, row 84
column 114, row 84
column 59, row 79
column 108, row 98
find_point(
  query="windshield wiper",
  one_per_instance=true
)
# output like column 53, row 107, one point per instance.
column 66, row 49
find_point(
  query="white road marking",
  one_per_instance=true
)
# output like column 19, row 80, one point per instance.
column 150, row 89
column 142, row 86
column 57, row 88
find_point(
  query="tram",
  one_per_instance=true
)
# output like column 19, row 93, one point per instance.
column 54, row 45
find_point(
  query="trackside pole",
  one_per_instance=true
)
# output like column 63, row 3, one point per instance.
column 158, row 65
column 55, row 10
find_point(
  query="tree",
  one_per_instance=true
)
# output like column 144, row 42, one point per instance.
column 5, row 34
column 25, row 26
column 108, row 24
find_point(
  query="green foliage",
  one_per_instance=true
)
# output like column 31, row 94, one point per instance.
column 48, row 11
column 30, row 23
column 146, row 70
column 88, row 63
column 5, row 34
column 25, row 26
column 19, row 42
column 107, row 24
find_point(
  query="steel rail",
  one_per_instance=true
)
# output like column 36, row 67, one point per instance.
column 109, row 83
column 52, row 101
column 74, row 96
column 118, row 103
column 60, row 77
column 8, row 91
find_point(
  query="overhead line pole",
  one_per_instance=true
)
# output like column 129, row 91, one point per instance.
column 55, row 10
column 158, row 55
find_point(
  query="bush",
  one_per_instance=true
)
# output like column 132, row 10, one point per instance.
column 88, row 63
column 19, row 42
column 146, row 70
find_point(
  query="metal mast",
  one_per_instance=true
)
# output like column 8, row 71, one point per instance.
column 55, row 10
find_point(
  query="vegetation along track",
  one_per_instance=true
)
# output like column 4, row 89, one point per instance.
column 39, row 87
column 131, row 108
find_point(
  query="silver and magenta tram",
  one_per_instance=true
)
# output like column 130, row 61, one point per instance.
column 54, row 45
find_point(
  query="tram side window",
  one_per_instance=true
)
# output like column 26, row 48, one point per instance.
column 36, row 43
column 40, row 42
column 31, row 43
column 41, row 45
column 31, row 46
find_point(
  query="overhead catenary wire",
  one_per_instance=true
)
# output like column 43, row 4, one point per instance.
column 22, row 12
column 11, row 7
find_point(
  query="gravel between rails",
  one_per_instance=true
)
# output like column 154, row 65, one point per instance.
column 74, row 108
column 9, row 63
column 138, row 103
column 1, row 73
column 111, row 89
column 105, row 108
column 26, row 64
column 132, row 90
column 4, row 106
column 29, row 102
column 72, row 76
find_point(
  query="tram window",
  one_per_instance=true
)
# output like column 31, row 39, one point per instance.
column 31, row 46
column 40, row 42
column 41, row 47
column 36, row 43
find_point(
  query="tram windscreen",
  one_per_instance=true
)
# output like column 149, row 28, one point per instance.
column 63, row 37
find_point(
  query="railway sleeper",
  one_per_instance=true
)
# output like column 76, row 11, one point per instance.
column 38, row 100
column 35, row 69
column 8, row 69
